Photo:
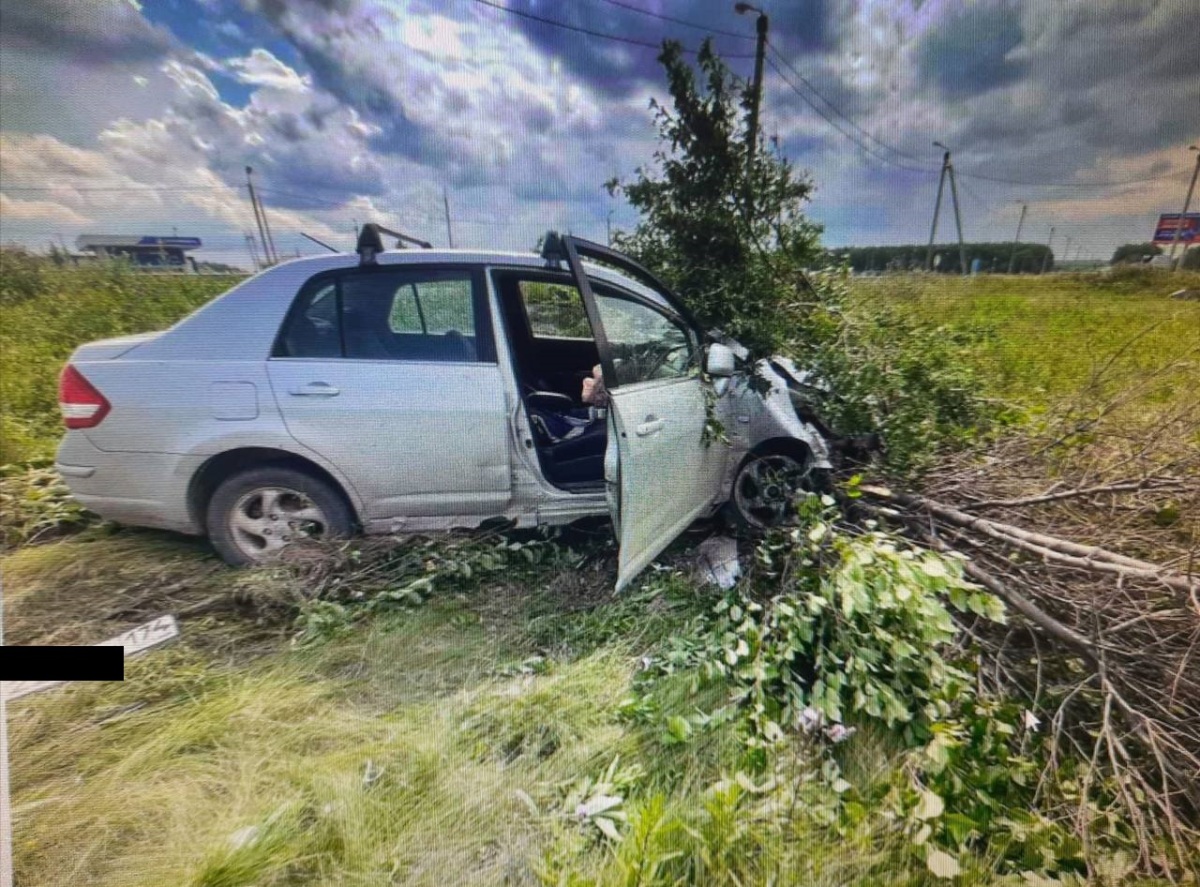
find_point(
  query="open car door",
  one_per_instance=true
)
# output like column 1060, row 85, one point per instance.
column 660, row 473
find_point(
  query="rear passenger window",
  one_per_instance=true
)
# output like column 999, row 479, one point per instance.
column 392, row 314
column 314, row 327
column 433, row 307
column 554, row 310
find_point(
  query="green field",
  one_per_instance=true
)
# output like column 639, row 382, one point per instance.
column 1043, row 338
column 453, row 737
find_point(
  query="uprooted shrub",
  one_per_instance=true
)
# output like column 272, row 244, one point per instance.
column 841, row 625
column 732, row 239
column 840, row 628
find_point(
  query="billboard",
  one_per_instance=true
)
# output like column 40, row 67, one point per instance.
column 1169, row 222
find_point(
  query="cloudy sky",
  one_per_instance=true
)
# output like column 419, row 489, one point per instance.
column 127, row 117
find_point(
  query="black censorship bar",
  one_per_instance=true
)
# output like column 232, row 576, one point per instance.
column 69, row 663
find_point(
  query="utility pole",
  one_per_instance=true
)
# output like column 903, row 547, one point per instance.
column 947, row 172
column 608, row 227
column 937, row 206
column 257, row 217
column 1187, row 201
column 962, row 249
column 446, row 204
column 6, row 866
column 1012, row 258
column 1049, row 253
column 267, row 225
column 760, row 50
column 253, row 252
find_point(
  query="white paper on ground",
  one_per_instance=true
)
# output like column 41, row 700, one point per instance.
column 135, row 641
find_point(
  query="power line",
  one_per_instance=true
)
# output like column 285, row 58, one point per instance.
column 838, row 111
column 1113, row 183
column 579, row 29
column 981, row 202
column 825, row 116
column 332, row 204
column 677, row 21
column 149, row 189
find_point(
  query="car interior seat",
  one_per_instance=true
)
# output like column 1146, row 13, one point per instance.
column 308, row 338
column 571, row 447
column 459, row 346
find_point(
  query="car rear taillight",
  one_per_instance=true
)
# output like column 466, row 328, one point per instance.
column 81, row 404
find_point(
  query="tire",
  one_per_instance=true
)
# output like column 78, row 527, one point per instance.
column 765, row 487
column 256, row 513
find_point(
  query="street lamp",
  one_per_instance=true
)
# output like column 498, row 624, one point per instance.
column 756, row 87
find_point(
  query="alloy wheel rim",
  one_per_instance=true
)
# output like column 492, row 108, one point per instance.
column 766, row 489
column 266, row 520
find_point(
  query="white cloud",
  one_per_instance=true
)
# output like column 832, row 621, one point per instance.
column 46, row 211
column 261, row 68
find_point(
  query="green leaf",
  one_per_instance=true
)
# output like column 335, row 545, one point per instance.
column 934, row 567
column 941, row 864
column 679, row 730
column 930, row 806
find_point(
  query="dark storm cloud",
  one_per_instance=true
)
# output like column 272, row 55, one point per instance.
column 1119, row 78
column 809, row 25
column 101, row 32
column 968, row 54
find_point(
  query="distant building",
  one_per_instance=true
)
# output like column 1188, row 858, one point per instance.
column 143, row 252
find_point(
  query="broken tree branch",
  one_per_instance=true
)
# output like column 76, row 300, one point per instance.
column 1051, row 547
column 1148, row 483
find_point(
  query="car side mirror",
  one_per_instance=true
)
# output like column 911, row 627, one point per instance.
column 720, row 361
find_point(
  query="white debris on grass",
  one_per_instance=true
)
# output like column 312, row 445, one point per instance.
column 717, row 558
column 136, row 640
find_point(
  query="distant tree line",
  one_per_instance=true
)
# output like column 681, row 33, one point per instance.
column 1139, row 253
column 1030, row 258
column 1135, row 252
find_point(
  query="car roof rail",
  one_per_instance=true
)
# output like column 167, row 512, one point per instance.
column 370, row 242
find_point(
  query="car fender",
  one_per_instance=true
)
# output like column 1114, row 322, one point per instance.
column 777, row 418
column 215, row 446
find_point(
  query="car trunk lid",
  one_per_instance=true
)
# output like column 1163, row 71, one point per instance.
column 108, row 349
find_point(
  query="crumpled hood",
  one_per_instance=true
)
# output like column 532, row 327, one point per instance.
column 787, row 367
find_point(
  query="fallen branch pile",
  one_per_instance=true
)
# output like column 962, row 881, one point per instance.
column 1102, row 582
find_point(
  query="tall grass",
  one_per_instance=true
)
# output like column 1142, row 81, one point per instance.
column 47, row 312
column 426, row 746
column 451, row 743
column 1045, row 337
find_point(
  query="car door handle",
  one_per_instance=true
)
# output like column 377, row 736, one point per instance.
column 651, row 426
column 315, row 389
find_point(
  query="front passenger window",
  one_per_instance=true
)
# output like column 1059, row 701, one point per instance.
column 646, row 344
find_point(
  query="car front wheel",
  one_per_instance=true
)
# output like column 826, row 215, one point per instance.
column 254, row 515
column 766, row 488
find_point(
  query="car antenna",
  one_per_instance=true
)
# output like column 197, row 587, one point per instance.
column 319, row 242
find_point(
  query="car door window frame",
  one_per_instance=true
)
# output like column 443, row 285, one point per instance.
column 607, row 289
column 549, row 277
column 484, row 326
column 584, row 284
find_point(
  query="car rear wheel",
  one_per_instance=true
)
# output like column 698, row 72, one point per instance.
column 766, row 487
column 255, row 514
